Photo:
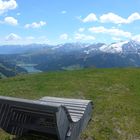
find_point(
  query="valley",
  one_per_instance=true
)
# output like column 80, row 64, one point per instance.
column 30, row 68
column 71, row 56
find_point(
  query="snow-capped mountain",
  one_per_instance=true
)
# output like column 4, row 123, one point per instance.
column 131, row 47
column 122, row 47
column 116, row 48
column 113, row 48
column 73, row 55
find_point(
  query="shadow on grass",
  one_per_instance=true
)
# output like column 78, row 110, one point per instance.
column 45, row 138
column 34, row 138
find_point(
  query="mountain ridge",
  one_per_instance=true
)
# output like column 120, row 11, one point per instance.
column 70, row 56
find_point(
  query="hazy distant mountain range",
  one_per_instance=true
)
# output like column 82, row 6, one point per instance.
column 8, row 69
column 71, row 55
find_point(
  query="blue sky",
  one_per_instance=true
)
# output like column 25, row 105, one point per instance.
column 61, row 21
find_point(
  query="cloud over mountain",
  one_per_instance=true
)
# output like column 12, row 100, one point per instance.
column 64, row 36
column 110, row 31
column 12, row 37
column 84, row 37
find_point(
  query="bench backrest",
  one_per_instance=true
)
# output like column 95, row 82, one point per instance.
column 54, row 117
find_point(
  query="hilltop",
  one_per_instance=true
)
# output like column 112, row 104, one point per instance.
column 115, row 93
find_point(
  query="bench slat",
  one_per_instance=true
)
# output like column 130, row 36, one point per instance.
column 59, row 117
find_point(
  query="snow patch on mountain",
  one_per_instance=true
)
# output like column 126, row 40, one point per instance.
column 113, row 48
column 90, row 50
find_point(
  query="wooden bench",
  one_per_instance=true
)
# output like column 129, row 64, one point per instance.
column 61, row 118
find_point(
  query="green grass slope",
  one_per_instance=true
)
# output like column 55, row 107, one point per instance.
column 115, row 93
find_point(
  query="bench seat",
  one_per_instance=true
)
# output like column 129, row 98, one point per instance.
column 61, row 118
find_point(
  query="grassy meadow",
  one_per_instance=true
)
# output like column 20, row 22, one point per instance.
column 115, row 94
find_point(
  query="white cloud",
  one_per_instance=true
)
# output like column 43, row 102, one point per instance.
column 11, row 21
column 81, row 29
column 116, row 19
column 90, row 18
column 113, row 18
column 16, row 39
column 36, row 25
column 133, row 17
column 136, row 37
column 63, row 12
column 64, row 36
column 116, row 38
column 111, row 31
column 30, row 38
column 99, row 29
column 83, row 37
column 12, row 37
column 6, row 5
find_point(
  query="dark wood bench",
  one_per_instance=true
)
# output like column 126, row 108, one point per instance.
column 54, row 117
